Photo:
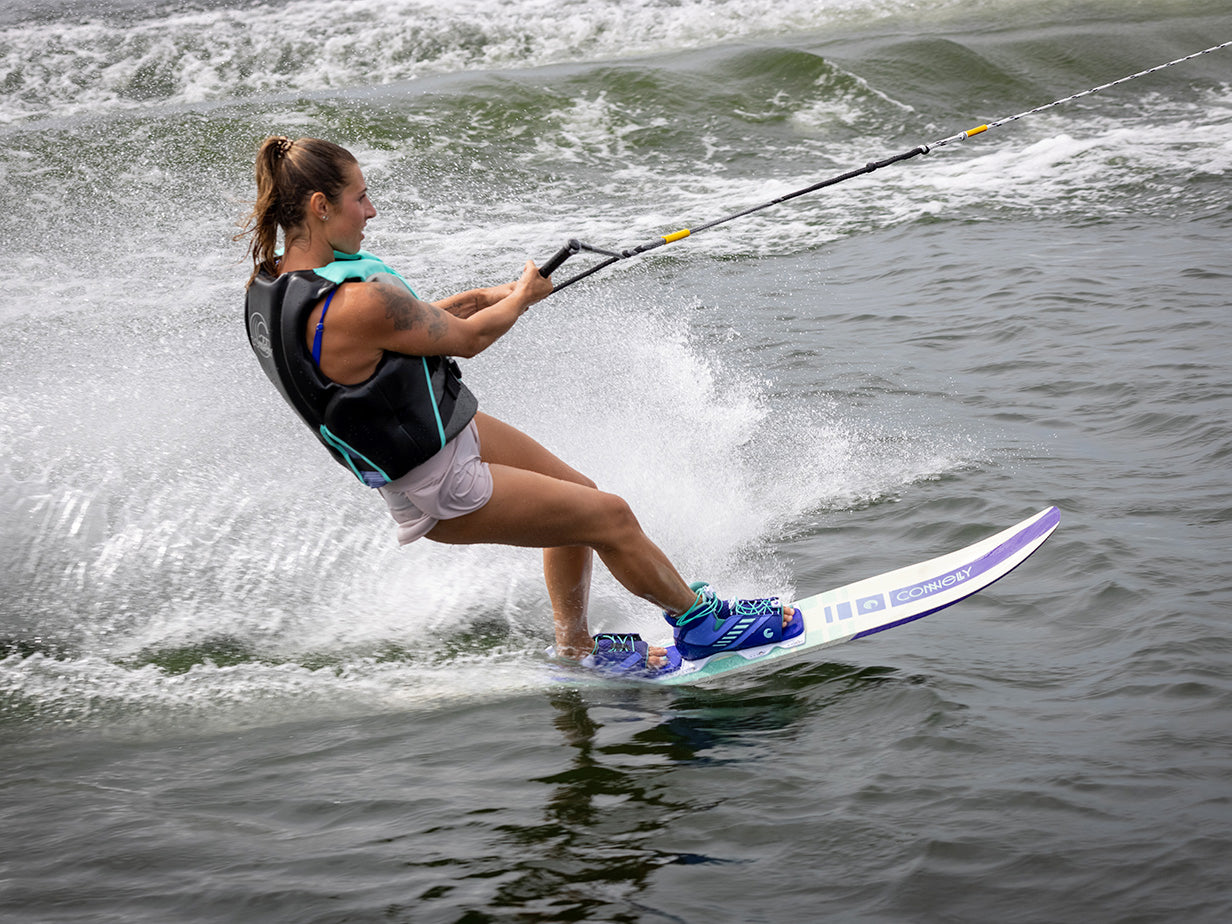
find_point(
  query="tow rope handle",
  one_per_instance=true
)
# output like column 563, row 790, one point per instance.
column 574, row 246
column 554, row 262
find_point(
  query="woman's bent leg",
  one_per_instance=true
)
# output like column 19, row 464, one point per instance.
column 566, row 570
column 502, row 444
column 534, row 510
column 540, row 502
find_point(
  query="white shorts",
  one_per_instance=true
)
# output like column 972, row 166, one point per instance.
column 453, row 482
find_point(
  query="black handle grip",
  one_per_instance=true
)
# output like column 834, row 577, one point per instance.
column 559, row 257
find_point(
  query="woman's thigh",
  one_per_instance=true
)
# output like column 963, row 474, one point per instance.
column 538, row 510
column 502, row 444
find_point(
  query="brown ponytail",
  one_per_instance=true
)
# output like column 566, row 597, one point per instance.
column 288, row 173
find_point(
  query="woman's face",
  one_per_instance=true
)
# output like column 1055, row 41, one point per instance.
column 349, row 215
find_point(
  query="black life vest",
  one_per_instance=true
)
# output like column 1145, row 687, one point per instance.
column 382, row 427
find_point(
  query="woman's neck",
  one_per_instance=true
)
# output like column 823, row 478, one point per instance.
column 303, row 253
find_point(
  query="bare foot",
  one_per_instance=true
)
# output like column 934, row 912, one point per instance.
column 574, row 652
column 656, row 656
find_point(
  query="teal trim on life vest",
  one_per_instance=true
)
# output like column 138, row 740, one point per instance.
column 351, row 455
column 440, row 427
column 357, row 266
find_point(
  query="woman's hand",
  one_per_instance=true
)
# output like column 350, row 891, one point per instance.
column 532, row 287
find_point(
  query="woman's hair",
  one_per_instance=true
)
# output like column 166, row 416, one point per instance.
column 288, row 173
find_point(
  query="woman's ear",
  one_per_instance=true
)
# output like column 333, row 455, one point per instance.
column 318, row 206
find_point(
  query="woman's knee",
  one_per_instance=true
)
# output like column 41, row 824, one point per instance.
column 618, row 523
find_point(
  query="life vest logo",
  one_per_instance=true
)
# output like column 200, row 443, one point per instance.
column 258, row 336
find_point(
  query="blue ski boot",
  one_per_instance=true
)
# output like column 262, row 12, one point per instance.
column 711, row 625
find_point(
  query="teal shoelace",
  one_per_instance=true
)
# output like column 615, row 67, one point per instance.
column 708, row 603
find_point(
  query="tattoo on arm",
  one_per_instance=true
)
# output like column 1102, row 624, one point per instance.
column 465, row 305
column 408, row 312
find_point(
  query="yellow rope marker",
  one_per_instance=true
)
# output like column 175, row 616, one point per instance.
column 676, row 236
column 976, row 131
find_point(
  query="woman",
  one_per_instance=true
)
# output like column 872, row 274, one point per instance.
column 367, row 365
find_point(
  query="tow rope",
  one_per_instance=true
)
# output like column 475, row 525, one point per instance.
column 575, row 246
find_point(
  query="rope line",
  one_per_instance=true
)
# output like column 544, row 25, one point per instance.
column 575, row 246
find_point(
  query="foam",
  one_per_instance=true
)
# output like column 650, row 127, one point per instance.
column 176, row 56
column 207, row 698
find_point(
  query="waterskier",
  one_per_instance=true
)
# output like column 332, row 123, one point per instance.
column 368, row 367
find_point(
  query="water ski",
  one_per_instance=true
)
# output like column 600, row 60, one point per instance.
column 871, row 605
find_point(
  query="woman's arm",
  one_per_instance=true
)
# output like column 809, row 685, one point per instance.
column 388, row 317
column 368, row 318
column 465, row 304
